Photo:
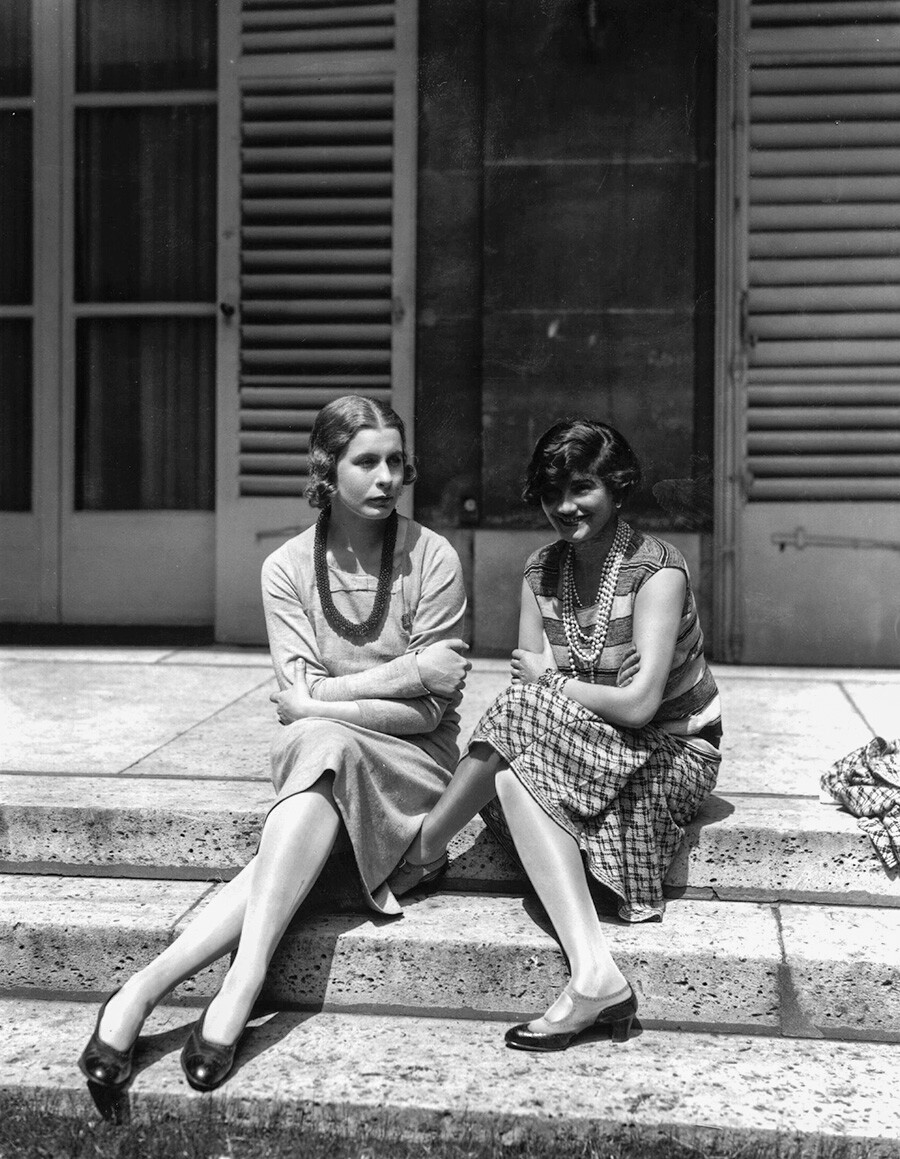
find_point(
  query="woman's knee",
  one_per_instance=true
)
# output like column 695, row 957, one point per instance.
column 507, row 783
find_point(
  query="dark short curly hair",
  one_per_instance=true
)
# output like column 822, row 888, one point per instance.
column 336, row 425
column 581, row 446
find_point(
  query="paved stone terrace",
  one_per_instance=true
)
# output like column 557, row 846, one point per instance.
column 132, row 780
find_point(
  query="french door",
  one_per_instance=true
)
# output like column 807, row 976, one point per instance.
column 108, row 138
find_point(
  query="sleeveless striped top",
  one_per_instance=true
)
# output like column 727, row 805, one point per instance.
column 690, row 706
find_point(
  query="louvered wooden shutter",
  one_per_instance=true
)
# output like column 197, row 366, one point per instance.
column 822, row 311
column 318, row 108
column 316, row 231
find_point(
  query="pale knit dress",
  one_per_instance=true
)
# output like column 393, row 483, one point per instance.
column 389, row 771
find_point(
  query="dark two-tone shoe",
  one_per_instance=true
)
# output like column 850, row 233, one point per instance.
column 103, row 1064
column 206, row 1064
column 410, row 875
column 544, row 1035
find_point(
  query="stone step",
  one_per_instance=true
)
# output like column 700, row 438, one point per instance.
column 431, row 1078
column 762, row 848
column 803, row 971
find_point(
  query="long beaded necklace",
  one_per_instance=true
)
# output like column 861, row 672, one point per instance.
column 585, row 646
column 382, row 592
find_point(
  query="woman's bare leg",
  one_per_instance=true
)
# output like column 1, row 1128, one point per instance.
column 212, row 933
column 553, row 863
column 296, row 841
column 218, row 927
column 470, row 789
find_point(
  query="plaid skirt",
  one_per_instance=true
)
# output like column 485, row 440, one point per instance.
column 625, row 795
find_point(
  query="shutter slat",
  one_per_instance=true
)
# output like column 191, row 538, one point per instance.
column 792, row 299
column 819, row 417
column 274, row 442
column 308, row 390
column 874, row 215
column 825, row 325
column 327, row 16
column 837, row 134
column 824, row 243
column 856, row 378
column 317, row 308
column 780, row 190
column 269, row 419
column 831, row 353
column 274, row 463
column 813, row 78
column 815, row 466
column 835, row 489
column 825, row 11
column 294, row 209
column 769, row 162
column 336, row 234
column 371, row 259
column 264, row 132
column 311, row 40
column 824, row 271
column 305, row 359
column 319, row 334
column 317, row 156
column 271, row 485
column 825, row 107
column 317, row 283
column 821, row 442
column 275, row 184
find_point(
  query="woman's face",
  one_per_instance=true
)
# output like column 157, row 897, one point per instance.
column 370, row 473
column 581, row 509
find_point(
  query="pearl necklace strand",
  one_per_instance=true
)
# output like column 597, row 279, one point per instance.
column 585, row 646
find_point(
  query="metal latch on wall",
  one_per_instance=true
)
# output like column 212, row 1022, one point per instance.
column 801, row 538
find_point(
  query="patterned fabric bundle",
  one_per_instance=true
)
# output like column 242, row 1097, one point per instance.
column 625, row 795
column 867, row 783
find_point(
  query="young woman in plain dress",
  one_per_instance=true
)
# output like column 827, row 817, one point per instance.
column 364, row 613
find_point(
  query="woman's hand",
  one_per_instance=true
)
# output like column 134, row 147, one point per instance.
column 443, row 666
column 631, row 665
column 526, row 667
column 295, row 703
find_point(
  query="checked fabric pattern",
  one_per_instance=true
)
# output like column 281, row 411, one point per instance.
column 625, row 795
column 867, row 783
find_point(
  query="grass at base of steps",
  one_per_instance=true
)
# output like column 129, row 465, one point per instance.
column 29, row 1130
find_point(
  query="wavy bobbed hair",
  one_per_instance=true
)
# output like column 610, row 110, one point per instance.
column 581, row 447
column 336, row 425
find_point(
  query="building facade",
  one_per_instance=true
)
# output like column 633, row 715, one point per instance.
column 681, row 217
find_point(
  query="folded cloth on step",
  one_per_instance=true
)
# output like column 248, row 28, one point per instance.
column 867, row 783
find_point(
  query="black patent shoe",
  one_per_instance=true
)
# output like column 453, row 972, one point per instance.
column 582, row 1018
column 103, row 1064
column 206, row 1064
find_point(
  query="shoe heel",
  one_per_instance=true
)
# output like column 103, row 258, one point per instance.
column 619, row 1031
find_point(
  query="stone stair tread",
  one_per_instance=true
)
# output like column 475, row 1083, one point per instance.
column 811, row 971
column 740, row 847
column 428, row 1075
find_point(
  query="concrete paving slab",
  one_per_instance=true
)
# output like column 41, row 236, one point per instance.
column 879, row 704
column 220, row 657
column 102, row 718
column 708, row 964
column 232, row 743
column 69, row 934
column 774, row 673
column 75, row 654
column 814, row 710
column 842, row 970
column 771, row 764
column 434, row 1078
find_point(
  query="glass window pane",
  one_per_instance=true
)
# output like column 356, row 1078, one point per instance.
column 145, row 205
column 15, row 415
column 141, row 45
column 15, row 207
column 15, row 48
column 145, row 425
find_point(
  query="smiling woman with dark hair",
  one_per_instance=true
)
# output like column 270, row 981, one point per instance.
column 364, row 613
column 598, row 764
